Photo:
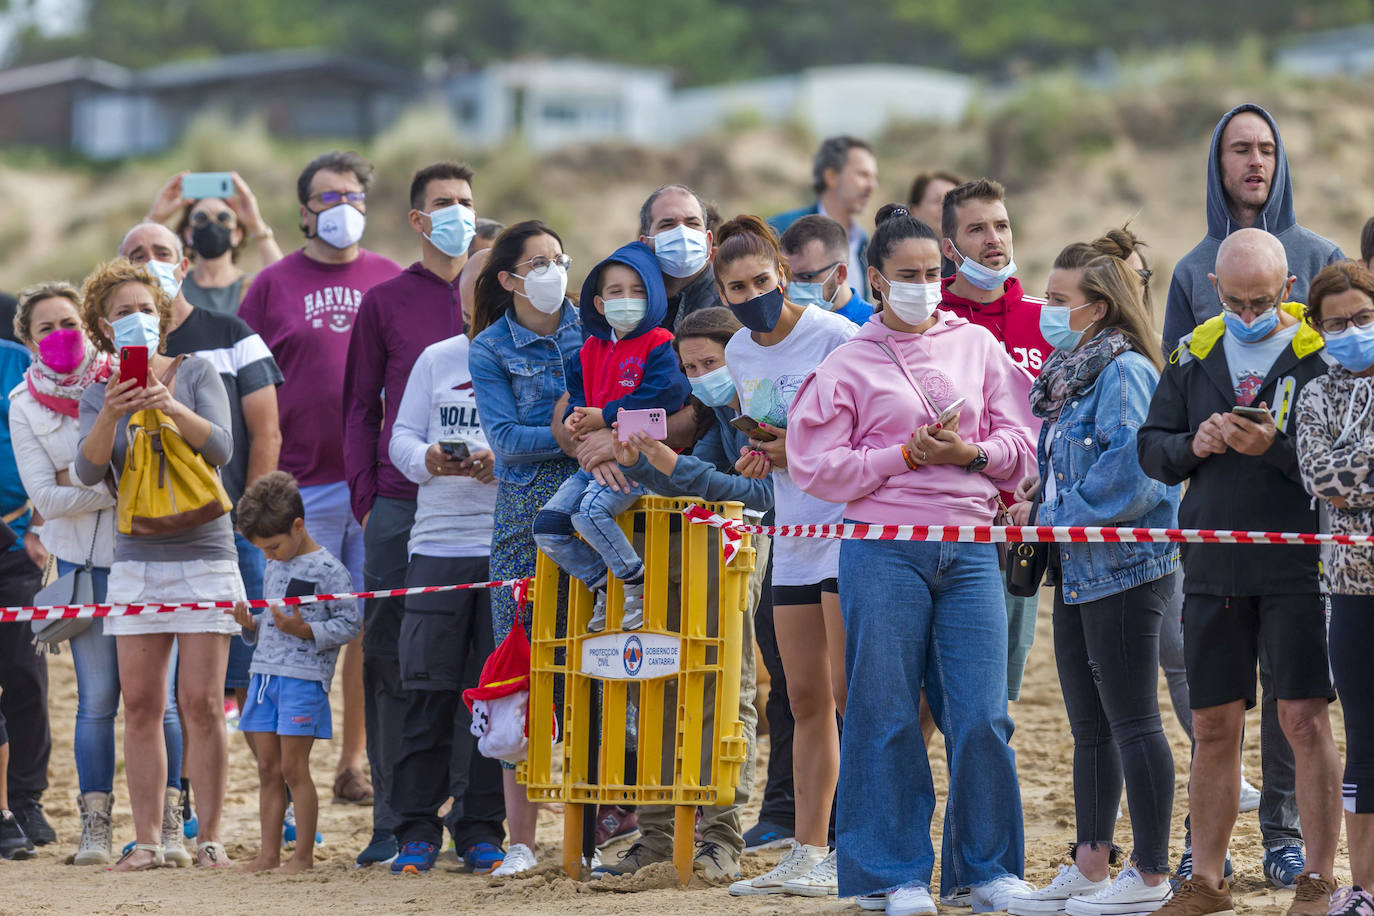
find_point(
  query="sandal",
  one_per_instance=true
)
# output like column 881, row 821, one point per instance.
column 351, row 789
column 212, row 855
column 157, row 861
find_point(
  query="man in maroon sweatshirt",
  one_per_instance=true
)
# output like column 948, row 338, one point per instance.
column 396, row 320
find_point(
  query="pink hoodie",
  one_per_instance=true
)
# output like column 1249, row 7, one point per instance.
column 855, row 411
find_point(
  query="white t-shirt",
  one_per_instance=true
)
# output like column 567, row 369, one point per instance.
column 1250, row 362
column 453, row 515
column 767, row 380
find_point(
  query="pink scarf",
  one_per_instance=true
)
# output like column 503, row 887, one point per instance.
column 62, row 393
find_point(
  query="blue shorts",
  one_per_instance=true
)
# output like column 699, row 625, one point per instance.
column 287, row 706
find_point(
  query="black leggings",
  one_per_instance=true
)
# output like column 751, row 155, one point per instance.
column 1107, row 652
column 1351, row 645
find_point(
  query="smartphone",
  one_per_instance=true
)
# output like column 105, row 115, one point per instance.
column 747, row 424
column 653, row 421
column 949, row 413
column 196, row 185
column 133, row 363
column 1254, row 414
column 455, row 449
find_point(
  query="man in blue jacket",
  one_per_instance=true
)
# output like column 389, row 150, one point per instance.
column 844, row 174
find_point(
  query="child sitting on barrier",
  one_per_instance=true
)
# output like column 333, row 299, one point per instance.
column 627, row 363
column 288, row 694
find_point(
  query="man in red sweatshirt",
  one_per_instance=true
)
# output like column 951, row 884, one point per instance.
column 984, row 288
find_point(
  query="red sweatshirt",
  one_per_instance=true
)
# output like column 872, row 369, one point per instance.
column 1013, row 318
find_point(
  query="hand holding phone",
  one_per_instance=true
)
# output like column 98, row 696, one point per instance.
column 198, row 185
column 652, row 421
column 1253, row 414
column 950, row 414
column 455, row 449
column 748, row 425
column 133, row 364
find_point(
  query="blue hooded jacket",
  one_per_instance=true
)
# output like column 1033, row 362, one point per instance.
column 640, row 369
column 1192, row 300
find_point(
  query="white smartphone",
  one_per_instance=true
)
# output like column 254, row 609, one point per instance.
column 949, row 413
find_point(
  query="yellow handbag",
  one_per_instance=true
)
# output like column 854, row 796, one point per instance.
column 166, row 486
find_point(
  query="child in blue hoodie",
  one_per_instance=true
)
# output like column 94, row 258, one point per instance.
column 627, row 363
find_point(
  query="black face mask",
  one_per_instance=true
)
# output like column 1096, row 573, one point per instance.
column 760, row 313
column 210, row 240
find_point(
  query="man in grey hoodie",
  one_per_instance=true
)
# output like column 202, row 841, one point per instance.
column 1247, row 185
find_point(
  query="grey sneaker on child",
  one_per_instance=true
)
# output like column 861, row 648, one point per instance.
column 634, row 606
column 598, row 621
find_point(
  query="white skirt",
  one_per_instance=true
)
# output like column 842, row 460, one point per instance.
column 136, row 582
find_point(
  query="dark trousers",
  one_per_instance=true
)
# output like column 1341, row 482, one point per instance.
column 1107, row 653
column 384, row 566
column 445, row 639
column 779, row 805
column 23, row 684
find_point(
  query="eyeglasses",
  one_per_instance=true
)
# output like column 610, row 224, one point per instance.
column 223, row 217
column 812, row 276
column 539, row 262
column 334, row 198
column 1336, row 325
column 1253, row 309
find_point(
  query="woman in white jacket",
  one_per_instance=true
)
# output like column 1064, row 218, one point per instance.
column 78, row 531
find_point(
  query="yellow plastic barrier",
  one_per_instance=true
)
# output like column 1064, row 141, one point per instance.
column 689, row 650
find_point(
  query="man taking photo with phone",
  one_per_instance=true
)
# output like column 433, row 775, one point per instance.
column 1243, row 474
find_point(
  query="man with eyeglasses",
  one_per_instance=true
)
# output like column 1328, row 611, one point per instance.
column 817, row 251
column 1222, row 419
column 1248, row 184
column 304, row 307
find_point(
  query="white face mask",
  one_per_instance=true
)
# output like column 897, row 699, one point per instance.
column 341, row 226
column 681, row 250
column 166, row 275
column 913, row 303
column 625, row 314
column 545, row 288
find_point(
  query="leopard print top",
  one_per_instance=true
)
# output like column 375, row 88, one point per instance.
column 1335, row 425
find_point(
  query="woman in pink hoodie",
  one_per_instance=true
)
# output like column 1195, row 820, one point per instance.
column 921, row 418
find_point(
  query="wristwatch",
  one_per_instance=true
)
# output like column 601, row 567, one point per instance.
column 977, row 464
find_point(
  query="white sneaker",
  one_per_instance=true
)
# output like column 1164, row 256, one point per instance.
column 797, row 861
column 519, row 859
column 994, row 896
column 874, row 903
column 634, row 607
column 823, row 880
column 598, row 621
column 910, row 900
column 1050, row 900
column 1129, row 895
column 1249, row 795
column 959, row 897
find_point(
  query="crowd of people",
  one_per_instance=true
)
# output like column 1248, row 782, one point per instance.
column 337, row 423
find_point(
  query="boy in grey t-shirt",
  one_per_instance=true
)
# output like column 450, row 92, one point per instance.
column 288, row 694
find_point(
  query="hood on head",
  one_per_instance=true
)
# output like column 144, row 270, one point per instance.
column 640, row 258
column 1277, row 214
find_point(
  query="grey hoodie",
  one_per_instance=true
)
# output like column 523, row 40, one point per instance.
column 1192, row 300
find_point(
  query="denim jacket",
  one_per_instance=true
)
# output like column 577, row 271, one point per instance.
column 518, row 377
column 1099, row 482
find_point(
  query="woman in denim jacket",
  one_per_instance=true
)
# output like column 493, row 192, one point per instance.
column 527, row 336
column 1093, row 394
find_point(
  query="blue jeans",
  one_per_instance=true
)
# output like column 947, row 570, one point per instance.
column 932, row 614
column 252, row 567
column 329, row 517
column 97, row 700
column 583, row 506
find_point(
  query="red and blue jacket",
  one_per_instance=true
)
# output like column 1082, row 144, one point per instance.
column 639, row 370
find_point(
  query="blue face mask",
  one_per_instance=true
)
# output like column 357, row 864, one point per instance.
column 813, row 293
column 1256, row 330
column 137, row 330
column 714, row 389
column 1054, row 326
column 1353, row 348
column 681, row 251
column 760, row 313
column 624, row 314
column 165, row 274
column 985, row 278
column 452, row 229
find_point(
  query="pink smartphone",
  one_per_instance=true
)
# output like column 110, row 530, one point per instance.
column 653, row 421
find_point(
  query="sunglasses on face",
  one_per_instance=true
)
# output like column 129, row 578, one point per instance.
column 334, row 198
column 223, row 217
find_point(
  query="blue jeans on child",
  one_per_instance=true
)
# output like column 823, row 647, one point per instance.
column 97, row 700
column 933, row 614
column 583, row 506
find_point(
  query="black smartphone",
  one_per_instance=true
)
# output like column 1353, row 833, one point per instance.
column 455, row 449
column 1254, row 414
column 748, row 425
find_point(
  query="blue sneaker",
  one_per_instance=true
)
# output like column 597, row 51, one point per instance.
column 1282, row 866
column 288, row 829
column 483, row 858
column 415, row 858
column 1185, row 868
column 381, row 850
column 765, row 835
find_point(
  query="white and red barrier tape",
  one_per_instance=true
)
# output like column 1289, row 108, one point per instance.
column 68, row 611
column 997, row 534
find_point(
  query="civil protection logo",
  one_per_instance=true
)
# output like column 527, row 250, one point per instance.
column 633, row 655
